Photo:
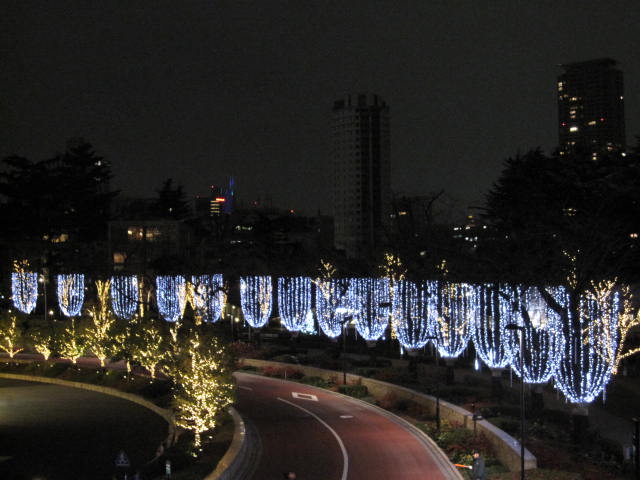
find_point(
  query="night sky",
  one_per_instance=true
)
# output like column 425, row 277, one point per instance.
column 198, row 91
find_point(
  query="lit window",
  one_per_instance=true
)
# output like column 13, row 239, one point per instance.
column 573, row 129
column 592, row 122
column 633, row 235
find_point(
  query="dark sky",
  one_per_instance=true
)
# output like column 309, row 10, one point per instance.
column 201, row 90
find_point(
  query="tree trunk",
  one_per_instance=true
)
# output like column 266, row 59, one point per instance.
column 537, row 399
column 497, row 390
column 580, row 421
column 449, row 377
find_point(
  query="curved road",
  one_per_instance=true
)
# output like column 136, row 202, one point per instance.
column 54, row 432
column 324, row 436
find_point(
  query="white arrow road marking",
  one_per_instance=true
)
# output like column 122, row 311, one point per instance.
column 304, row 396
column 346, row 416
column 345, row 457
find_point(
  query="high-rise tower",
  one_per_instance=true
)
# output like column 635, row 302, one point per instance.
column 360, row 152
column 591, row 108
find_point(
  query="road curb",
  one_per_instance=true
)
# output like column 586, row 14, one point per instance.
column 242, row 456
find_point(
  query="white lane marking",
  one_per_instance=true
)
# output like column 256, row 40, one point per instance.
column 246, row 388
column 346, row 416
column 304, row 396
column 345, row 457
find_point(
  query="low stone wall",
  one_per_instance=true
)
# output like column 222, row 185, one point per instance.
column 166, row 414
column 506, row 447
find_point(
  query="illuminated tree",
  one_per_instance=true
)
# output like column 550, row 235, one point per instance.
column 207, row 297
column 42, row 342
column 171, row 296
column 394, row 271
column 24, row 287
column 73, row 341
column 99, row 333
column 124, row 296
column 332, row 305
column 149, row 347
column 256, row 299
column 454, row 318
column 10, row 335
column 591, row 332
column 413, row 308
column 294, row 302
column 628, row 320
column 369, row 298
column 70, row 294
column 203, row 386
column 493, row 312
column 543, row 337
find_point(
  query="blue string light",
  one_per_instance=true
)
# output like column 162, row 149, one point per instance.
column 493, row 311
column 591, row 333
column 208, row 296
column 255, row 299
column 125, row 293
column 70, row 290
column 294, row 302
column 543, row 338
column 452, row 326
column 24, row 290
column 332, row 305
column 171, row 296
column 366, row 296
column 414, row 310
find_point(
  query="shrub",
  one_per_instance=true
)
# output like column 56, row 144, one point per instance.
column 249, row 368
column 357, row 391
column 315, row 381
column 281, row 372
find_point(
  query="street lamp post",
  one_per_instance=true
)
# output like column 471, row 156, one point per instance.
column 437, row 392
column 43, row 280
column 636, row 445
column 514, row 327
column 345, row 322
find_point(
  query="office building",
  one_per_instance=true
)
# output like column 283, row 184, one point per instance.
column 360, row 153
column 591, row 108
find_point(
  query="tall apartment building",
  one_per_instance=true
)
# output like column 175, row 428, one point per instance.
column 360, row 152
column 591, row 108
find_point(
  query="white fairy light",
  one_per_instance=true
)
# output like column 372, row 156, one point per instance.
column 294, row 302
column 24, row 289
column 543, row 338
column 124, row 292
column 414, row 311
column 256, row 299
column 332, row 305
column 366, row 296
column 208, row 296
column 591, row 334
column 493, row 311
column 70, row 290
column 454, row 317
column 171, row 296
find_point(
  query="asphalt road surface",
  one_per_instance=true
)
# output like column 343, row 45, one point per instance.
column 323, row 436
column 54, row 433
